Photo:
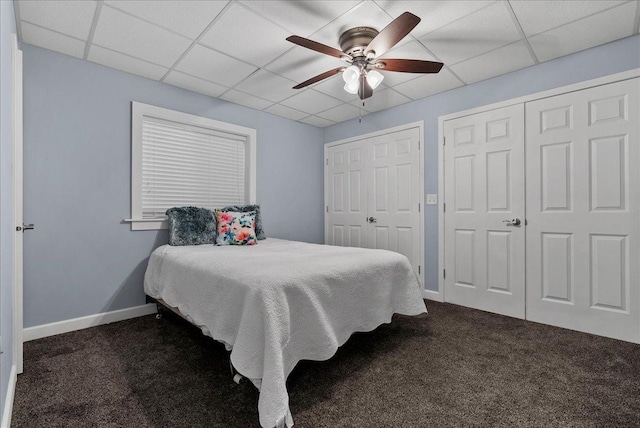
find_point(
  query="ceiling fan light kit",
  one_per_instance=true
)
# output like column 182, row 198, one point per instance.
column 362, row 48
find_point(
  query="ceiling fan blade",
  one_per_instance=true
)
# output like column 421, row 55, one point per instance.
column 364, row 89
column 319, row 77
column 408, row 65
column 315, row 46
column 392, row 33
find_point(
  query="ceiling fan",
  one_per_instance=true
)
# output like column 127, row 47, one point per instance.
column 362, row 48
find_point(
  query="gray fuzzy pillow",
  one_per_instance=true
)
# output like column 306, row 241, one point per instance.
column 191, row 226
column 246, row 208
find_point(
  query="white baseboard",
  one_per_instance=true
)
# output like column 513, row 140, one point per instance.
column 45, row 330
column 432, row 295
column 8, row 401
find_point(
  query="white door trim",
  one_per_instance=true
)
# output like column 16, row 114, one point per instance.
column 420, row 126
column 617, row 77
column 17, row 174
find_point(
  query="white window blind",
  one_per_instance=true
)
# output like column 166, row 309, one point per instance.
column 187, row 165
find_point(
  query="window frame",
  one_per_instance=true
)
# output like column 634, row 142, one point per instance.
column 138, row 112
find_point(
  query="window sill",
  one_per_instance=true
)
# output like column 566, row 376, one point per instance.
column 147, row 223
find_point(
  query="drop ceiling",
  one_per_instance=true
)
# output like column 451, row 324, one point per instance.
column 236, row 50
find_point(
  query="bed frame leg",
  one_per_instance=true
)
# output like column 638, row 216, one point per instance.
column 237, row 377
column 160, row 310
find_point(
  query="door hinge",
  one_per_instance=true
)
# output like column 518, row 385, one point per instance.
column 444, row 206
column 419, row 270
column 326, row 161
column 418, row 144
column 444, row 141
column 327, row 208
column 418, row 206
column 444, row 273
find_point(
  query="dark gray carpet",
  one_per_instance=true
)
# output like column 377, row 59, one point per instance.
column 456, row 367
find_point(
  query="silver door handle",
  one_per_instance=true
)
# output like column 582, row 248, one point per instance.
column 25, row 227
column 512, row 222
column 371, row 220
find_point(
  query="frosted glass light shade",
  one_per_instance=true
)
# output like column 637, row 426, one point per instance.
column 351, row 74
column 351, row 87
column 374, row 79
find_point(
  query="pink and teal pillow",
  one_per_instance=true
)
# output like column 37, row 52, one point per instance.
column 247, row 208
column 236, row 228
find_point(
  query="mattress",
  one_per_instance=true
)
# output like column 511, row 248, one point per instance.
column 278, row 302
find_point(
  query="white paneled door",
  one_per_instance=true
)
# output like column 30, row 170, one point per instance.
column 347, row 195
column 373, row 194
column 484, row 211
column 583, row 198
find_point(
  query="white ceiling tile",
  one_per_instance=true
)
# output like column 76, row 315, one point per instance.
column 433, row 14
column 428, row 84
column 317, row 121
column 300, row 64
column 475, row 34
column 384, row 99
column 246, row 100
column 301, row 17
column 334, row 87
column 410, row 50
column 132, row 36
column 194, row 84
column 311, row 101
column 242, row 33
column 47, row 39
column 214, row 66
column 186, row 17
column 500, row 61
column 542, row 15
column 287, row 112
column 366, row 13
column 342, row 113
column 588, row 32
column 73, row 18
column 125, row 63
column 267, row 85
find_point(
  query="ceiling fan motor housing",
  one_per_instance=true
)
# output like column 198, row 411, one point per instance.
column 354, row 41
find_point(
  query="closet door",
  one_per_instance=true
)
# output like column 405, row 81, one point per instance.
column 346, row 195
column 484, row 217
column 393, row 195
column 372, row 191
column 583, row 200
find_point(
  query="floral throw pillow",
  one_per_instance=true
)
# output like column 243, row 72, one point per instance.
column 236, row 228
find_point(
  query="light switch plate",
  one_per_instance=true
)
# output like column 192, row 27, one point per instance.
column 432, row 199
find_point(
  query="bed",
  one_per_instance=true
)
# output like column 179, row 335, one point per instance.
column 280, row 302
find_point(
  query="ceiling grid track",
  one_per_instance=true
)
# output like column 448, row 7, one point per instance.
column 636, row 24
column 94, row 24
column 524, row 39
column 195, row 42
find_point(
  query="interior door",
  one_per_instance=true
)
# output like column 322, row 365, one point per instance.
column 583, row 185
column 393, row 183
column 484, row 211
column 16, row 57
column 346, row 195
column 373, row 194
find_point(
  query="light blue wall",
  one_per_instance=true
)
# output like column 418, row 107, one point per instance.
column 612, row 58
column 7, row 27
column 81, row 259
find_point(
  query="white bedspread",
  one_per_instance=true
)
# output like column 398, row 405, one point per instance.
column 279, row 302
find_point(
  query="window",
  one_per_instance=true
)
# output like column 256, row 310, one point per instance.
column 180, row 159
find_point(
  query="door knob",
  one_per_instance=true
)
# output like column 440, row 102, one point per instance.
column 25, row 227
column 371, row 220
column 512, row 222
